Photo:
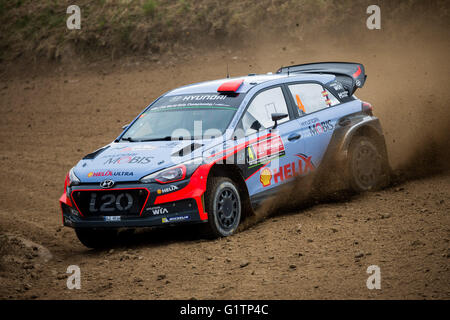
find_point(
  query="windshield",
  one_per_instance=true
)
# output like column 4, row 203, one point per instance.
column 186, row 117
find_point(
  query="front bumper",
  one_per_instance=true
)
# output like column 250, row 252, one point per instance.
column 162, row 204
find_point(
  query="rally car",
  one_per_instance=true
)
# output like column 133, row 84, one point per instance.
column 211, row 152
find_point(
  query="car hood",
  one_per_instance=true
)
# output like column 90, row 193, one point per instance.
column 131, row 161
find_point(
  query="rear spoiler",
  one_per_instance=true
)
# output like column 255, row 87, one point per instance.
column 350, row 75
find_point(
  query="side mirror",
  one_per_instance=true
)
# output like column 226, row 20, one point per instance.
column 278, row 116
column 125, row 126
column 256, row 125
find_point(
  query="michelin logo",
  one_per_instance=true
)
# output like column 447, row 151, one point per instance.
column 175, row 219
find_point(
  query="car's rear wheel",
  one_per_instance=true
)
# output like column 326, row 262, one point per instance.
column 368, row 168
column 96, row 238
column 223, row 205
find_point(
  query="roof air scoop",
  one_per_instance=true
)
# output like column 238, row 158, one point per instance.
column 230, row 86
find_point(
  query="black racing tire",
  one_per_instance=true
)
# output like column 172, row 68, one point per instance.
column 96, row 238
column 367, row 165
column 224, row 206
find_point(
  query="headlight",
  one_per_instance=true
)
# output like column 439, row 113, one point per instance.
column 73, row 178
column 175, row 173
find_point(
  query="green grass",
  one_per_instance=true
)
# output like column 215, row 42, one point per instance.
column 184, row 5
column 149, row 7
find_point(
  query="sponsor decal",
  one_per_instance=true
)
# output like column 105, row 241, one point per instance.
column 176, row 99
column 158, row 210
column 142, row 148
column 265, row 150
column 128, row 160
column 204, row 97
column 339, row 88
column 109, row 173
column 173, row 144
column 336, row 86
column 167, row 189
column 343, row 94
column 303, row 166
column 119, row 155
column 175, row 219
column 321, row 127
column 265, row 177
column 309, row 122
column 327, row 98
column 134, row 148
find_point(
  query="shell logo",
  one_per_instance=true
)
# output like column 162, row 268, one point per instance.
column 265, row 177
column 90, row 174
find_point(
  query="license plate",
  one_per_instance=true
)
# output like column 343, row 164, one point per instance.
column 111, row 218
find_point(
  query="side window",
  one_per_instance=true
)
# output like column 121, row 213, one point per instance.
column 261, row 109
column 311, row 97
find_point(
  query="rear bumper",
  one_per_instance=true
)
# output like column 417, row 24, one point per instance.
column 175, row 203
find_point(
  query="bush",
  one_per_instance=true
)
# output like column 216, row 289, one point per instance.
column 149, row 7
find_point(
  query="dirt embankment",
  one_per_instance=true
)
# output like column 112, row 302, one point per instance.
column 151, row 29
column 319, row 250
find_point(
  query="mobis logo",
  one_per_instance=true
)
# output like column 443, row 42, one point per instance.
column 128, row 159
column 321, row 127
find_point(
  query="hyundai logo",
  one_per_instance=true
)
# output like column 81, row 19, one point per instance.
column 106, row 184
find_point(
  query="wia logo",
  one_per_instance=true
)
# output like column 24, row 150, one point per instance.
column 159, row 210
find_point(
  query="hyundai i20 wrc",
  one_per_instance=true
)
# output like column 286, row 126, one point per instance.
column 210, row 153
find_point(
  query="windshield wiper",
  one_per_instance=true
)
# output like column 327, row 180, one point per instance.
column 166, row 138
column 129, row 139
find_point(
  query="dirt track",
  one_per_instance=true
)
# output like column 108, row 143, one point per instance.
column 48, row 121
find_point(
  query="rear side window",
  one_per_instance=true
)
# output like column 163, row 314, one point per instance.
column 311, row 97
column 261, row 109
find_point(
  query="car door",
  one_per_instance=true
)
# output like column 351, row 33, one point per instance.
column 318, row 112
column 270, row 153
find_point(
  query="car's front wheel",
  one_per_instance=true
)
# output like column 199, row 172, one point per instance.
column 223, row 205
column 96, row 238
